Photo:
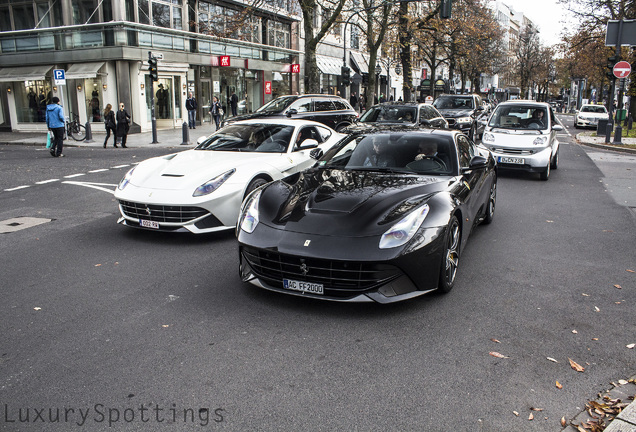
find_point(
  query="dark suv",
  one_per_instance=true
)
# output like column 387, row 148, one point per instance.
column 407, row 113
column 462, row 112
column 330, row 110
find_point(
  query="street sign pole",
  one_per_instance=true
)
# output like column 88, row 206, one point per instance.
column 610, row 101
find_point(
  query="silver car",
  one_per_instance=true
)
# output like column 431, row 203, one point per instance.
column 522, row 135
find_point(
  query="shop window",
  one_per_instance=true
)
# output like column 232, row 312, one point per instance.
column 279, row 34
column 31, row 99
column 85, row 11
column 94, row 99
column 177, row 97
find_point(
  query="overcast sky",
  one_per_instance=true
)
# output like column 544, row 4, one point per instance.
column 546, row 14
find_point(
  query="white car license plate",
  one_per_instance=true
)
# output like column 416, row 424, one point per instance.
column 511, row 160
column 308, row 287
column 149, row 224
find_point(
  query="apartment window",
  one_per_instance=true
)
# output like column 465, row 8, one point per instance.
column 355, row 37
column 166, row 14
column 24, row 15
column 85, row 11
column 279, row 34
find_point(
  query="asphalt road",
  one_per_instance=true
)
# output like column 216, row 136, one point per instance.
column 111, row 326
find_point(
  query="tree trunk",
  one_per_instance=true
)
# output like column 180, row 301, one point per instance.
column 405, row 50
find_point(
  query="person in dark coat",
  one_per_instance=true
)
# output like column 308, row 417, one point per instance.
column 109, row 123
column 353, row 100
column 55, row 122
column 215, row 111
column 233, row 103
column 123, row 125
column 191, row 106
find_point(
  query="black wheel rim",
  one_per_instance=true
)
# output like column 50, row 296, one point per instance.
column 452, row 253
column 493, row 200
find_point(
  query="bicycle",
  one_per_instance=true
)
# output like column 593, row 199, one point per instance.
column 75, row 129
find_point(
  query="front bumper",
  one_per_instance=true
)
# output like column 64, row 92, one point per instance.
column 520, row 159
column 359, row 272
column 593, row 123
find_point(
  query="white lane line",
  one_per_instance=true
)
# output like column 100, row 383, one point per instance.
column 98, row 170
column 97, row 186
column 121, row 166
column 74, row 175
column 16, row 188
column 46, row 181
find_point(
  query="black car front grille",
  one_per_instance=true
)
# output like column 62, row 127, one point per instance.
column 451, row 122
column 514, row 151
column 161, row 213
column 340, row 278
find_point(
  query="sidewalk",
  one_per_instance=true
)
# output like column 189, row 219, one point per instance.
column 165, row 138
column 590, row 139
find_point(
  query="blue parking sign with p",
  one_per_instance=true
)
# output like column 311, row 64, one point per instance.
column 59, row 76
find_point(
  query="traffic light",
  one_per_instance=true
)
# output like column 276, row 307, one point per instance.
column 152, row 68
column 445, row 9
column 345, row 74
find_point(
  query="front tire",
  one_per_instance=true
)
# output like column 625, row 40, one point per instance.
column 555, row 161
column 492, row 200
column 545, row 174
column 255, row 184
column 450, row 260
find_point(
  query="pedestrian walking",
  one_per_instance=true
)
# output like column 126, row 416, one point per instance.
column 233, row 103
column 55, row 122
column 109, row 123
column 191, row 106
column 216, row 111
column 123, row 125
column 353, row 100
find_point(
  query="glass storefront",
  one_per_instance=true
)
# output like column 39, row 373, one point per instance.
column 31, row 99
column 281, row 84
column 163, row 101
column 94, row 98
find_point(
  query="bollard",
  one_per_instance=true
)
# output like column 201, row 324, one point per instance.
column 608, row 132
column 89, row 133
column 185, row 133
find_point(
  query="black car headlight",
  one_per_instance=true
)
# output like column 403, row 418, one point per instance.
column 403, row 231
column 248, row 219
column 212, row 185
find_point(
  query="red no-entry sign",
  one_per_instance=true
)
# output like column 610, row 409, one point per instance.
column 622, row 69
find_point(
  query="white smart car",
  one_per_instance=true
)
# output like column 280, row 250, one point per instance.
column 522, row 135
column 201, row 190
column 589, row 115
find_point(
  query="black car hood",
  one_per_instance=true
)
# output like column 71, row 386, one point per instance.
column 345, row 203
column 454, row 113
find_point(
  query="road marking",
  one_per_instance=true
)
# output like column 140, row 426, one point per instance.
column 47, row 181
column 97, row 186
column 98, row 170
column 16, row 188
column 17, row 224
column 74, row 175
column 121, row 166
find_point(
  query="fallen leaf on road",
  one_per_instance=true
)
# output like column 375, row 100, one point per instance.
column 559, row 385
column 577, row 367
column 498, row 355
column 631, row 346
column 585, row 295
column 596, row 309
column 531, row 417
column 39, row 308
column 623, row 382
column 618, row 286
column 549, row 221
column 552, row 360
column 594, row 339
column 516, row 413
column 563, row 421
column 575, row 332
column 495, row 340
column 536, row 409
column 165, row 325
column 631, row 271
column 98, row 265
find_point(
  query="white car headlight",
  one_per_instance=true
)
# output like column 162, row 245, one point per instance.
column 403, row 231
column 464, row 120
column 540, row 141
column 488, row 138
column 124, row 182
column 212, row 185
column 582, row 117
column 249, row 212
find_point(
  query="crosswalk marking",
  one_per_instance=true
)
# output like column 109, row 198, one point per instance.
column 47, row 181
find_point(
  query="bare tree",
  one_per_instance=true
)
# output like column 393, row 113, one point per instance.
column 526, row 50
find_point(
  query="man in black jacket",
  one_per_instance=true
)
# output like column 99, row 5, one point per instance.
column 233, row 103
column 191, row 106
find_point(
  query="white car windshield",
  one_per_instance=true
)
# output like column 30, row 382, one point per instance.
column 598, row 109
column 530, row 117
column 259, row 138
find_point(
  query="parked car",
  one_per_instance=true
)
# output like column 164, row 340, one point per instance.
column 200, row 190
column 522, row 135
column 330, row 110
column 589, row 115
column 383, row 216
column 462, row 112
column 406, row 113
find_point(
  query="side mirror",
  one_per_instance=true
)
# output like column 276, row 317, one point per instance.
column 291, row 112
column 308, row 144
column 476, row 162
column 316, row 153
column 425, row 122
column 557, row 128
column 201, row 139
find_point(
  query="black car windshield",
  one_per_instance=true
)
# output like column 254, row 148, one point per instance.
column 278, row 104
column 519, row 116
column 454, row 102
column 409, row 152
column 259, row 138
column 390, row 114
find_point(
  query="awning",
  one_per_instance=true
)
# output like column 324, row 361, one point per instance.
column 329, row 65
column 361, row 63
column 83, row 70
column 24, row 73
